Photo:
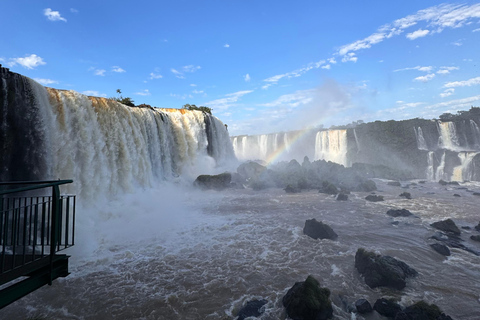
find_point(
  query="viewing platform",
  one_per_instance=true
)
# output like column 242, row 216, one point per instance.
column 36, row 222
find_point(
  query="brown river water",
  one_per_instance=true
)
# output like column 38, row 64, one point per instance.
column 176, row 254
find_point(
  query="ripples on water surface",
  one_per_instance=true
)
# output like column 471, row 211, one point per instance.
column 203, row 255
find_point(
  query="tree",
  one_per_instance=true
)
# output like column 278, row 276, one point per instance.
column 124, row 100
column 194, row 107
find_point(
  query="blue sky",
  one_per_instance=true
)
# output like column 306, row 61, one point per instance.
column 262, row 66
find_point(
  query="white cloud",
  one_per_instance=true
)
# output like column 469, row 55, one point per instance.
column 419, row 68
column 294, row 100
column 99, row 72
column 143, row 93
column 458, row 43
column 447, row 93
column 193, row 85
column 197, row 91
column 73, row 10
column 327, row 66
column 456, row 104
column 191, row 68
column 53, row 15
column 226, row 45
column 332, row 60
column 446, row 70
column 417, row 34
column 177, row 73
column 229, row 101
column 155, row 76
column 293, row 74
column 94, row 93
column 465, row 83
column 181, row 96
column 349, row 57
column 45, row 82
column 246, row 77
column 425, row 78
column 28, row 62
column 476, row 30
column 117, row 69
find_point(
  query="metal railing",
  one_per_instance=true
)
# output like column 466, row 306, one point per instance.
column 35, row 223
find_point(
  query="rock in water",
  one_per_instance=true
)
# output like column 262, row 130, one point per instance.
column 388, row 308
column 252, row 309
column 420, row 310
column 374, row 198
column 407, row 195
column 342, row 197
column 318, row 230
column 399, row 213
column 447, row 226
column 307, row 300
column 477, row 227
column 363, row 306
column 291, row 189
column 217, row 182
column 394, row 183
column 475, row 238
column 441, row 248
column 382, row 271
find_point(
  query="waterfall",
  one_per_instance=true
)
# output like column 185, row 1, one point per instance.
column 430, row 166
column 448, row 136
column 104, row 146
column 440, row 172
column 475, row 133
column 421, row 143
column 331, row 145
column 464, row 171
column 356, row 140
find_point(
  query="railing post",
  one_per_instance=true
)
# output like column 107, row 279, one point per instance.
column 54, row 230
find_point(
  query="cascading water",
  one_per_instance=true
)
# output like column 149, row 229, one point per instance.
column 448, row 136
column 421, row 143
column 430, row 166
column 464, row 170
column 440, row 172
column 476, row 133
column 331, row 145
column 104, row 146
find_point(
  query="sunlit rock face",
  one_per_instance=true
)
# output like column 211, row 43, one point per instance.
column 425, row 149
column 104, row 146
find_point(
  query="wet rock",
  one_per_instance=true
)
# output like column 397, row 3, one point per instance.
column 441, row 248
column 307, row 300
column 367, row 186
column 318, row 230
column 444, row 183
column 453, row 241
column 374, row 198
column 466, row 228
column 387, row 308
column 251, row 170
column 216, row 182
column 399, row 213
column 407, row 195
column 342, row 197
column 456, row 195
column 328, row 188
column 475, row 238
column 395, row 223
column 477, row 227
column 420, row 311
column 476, row 193
column 363, row 306
column 291, row 189
column 253, row 308
column 382, row 271
column 447, row 226
column 394, row 183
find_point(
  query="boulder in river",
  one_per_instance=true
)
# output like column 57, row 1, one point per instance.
column 394, row 183
column 441, row 248
column 291, row 189
column 407, row 195
column 374, row 198
column 342, row 197
column 387, row 308
column 475, row 238
column 253, row 308
column 216, row 182
column 477, row 227
column 307, row 300
column 382, row 271
column 399, row 213
column 363, row 306
column 447, row 226
column 318, row 230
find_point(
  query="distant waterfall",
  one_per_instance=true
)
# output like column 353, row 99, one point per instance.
column 430, row 166
column 104, row 146
column 331, row 145
column 448, row 136
column 421, row 143
column 476, row 133
column 440, row 172
column 464, row 171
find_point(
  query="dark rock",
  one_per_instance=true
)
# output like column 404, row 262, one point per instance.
column 217, row 182
column 476, row 193
column 382, row 271
column 307, row 300
column 399, row 213
column 443, row 316
column 475, row 238
column 363, row 306
column 387, row 308
column 394, row 183
column 466, row 228
column 441, row 248
column 328, row 188
column 291, row 189
column 447, row 226
column 367, row 186
column 251, row 170
column 453, row 241
column 395, row 223
column 456, row 195
column 252, row 309
column 407, row 195
column 422, row 181
column 374, row 198
column 477, row 227
column 342, row 197
column 420, row 311
column 444, row 183
column 318, row 230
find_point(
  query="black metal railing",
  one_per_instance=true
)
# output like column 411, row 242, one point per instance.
column 35, row 223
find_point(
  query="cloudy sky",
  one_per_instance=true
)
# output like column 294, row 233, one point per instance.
column 262, row 66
